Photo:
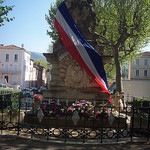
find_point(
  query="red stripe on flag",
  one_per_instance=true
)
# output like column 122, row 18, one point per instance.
column 69, row 45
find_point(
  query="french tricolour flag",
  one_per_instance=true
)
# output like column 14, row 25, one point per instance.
column 79, row 48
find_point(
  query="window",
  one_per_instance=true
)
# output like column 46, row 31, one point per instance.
column 15, row 80
column 137, row 73
column 16, row 58
column 137, row 62
column 145, row 73
column 7, row 58
column 6, row 68
column 15, row 68
column 6, row 78
column 145, row 62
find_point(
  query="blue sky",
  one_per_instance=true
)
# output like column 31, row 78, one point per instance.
column 147, row 48
column 29, row 26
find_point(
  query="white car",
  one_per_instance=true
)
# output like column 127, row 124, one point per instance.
column 3, row 86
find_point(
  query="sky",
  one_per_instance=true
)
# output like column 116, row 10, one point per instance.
column 29, row 26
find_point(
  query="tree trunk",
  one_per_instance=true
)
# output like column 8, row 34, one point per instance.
column 118, row 70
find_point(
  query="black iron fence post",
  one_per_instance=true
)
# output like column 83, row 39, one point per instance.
column 118, row 130
column 148, row 123
column 19, row 114
column 2, row 111
column 102, row 124
column 132, row 120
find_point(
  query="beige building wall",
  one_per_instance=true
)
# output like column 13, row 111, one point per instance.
column 137, row 88
column 138, row 83
column 140, row 68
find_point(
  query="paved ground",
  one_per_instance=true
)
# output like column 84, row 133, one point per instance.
column 19, row 143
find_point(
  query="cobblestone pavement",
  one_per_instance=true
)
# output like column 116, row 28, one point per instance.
column 19, row 143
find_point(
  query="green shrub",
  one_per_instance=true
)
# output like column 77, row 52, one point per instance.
column 142, row 104
column 9, row 99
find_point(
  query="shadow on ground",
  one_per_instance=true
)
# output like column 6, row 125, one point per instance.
column 19, row 143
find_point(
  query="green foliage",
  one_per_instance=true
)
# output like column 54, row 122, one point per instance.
column 50, row 20
column 123, row 24
column 41, row 61
column 10, row 100
column 138, row 102
column 124, row 29
column 110, row 70
column 50, row 48
column 142, row 104
column 4, row 12
column 10, row 90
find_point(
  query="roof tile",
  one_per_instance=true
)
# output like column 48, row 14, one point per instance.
column 11, row 47
column 146, row 54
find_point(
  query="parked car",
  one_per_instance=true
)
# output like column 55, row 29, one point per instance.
column 27, row 92
column 42, row 88
column 34, row 90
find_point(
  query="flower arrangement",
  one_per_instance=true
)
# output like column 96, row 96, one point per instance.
column 54, row 108
column 37, row 98
column 83, row 107
column 106, row 112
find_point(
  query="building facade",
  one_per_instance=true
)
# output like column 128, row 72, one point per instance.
column 138, row 81
column 140, row 68
column 16, row 66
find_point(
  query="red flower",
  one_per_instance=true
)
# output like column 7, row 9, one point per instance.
column 37, row 97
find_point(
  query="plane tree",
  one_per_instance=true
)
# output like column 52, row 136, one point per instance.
column 124, row 28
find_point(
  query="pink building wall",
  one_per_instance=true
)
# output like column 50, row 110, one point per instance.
column 16, row 69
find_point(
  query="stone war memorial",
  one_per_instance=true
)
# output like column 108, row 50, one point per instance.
column 70, row 84
column 75, row 108
column 72, row 93
column 68, row 79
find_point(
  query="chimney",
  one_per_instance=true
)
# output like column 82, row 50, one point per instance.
column 22, row 45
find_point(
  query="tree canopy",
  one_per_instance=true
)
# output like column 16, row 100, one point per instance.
column 4, row 12
column 124, row 29
column 41, row 61
column 50, row 20
column 123, row 23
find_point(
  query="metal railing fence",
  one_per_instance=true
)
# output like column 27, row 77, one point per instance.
column 75, row 121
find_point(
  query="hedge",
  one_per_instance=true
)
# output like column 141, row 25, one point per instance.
column 9, row 98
